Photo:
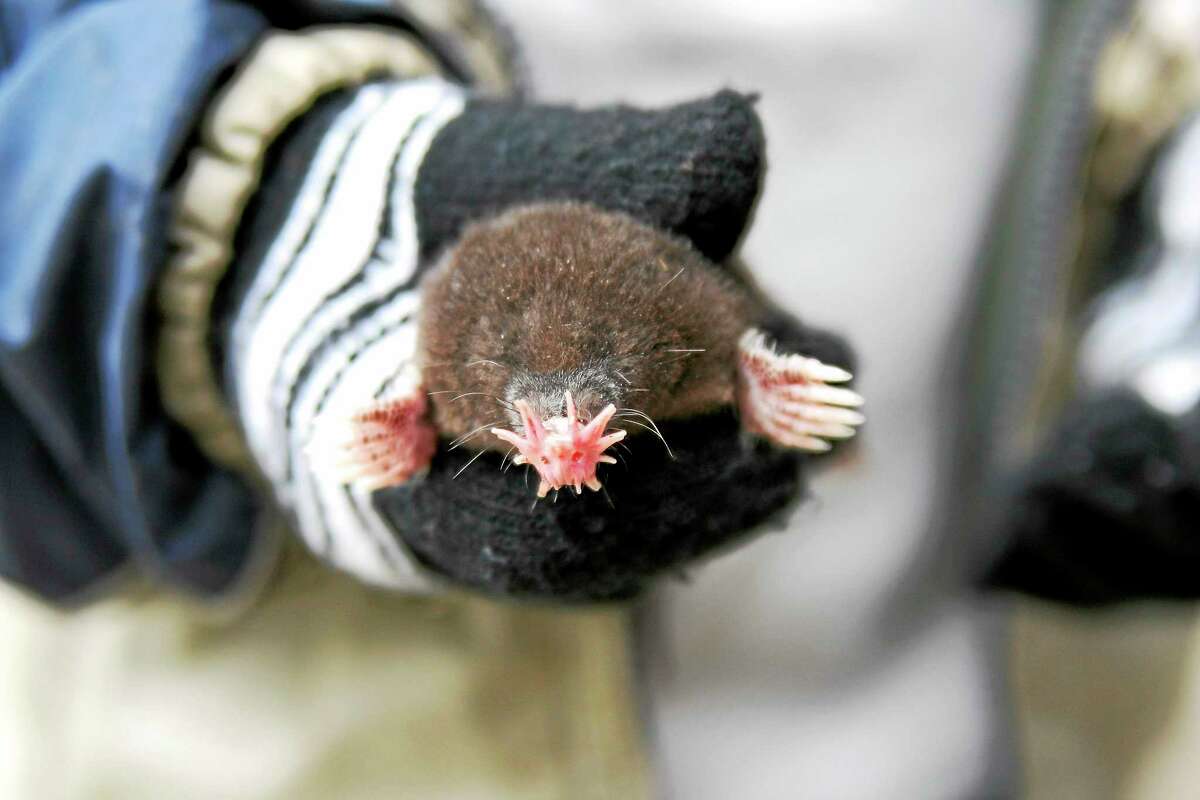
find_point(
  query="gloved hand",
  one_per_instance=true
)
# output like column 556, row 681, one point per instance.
column 693, row 170
column 1107, row 508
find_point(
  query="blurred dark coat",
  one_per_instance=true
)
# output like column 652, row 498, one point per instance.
column 97, row 100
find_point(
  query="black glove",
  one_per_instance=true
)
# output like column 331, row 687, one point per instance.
column 693, row 170
column 1108, row 509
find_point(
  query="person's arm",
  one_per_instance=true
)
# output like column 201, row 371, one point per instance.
column 126, row 430
column 98, row 103
column 95, row 103
column 302, row 330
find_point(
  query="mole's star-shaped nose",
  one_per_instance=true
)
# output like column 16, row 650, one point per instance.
column 563, row 450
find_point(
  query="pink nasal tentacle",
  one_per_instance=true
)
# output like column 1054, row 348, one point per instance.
column 565, row 452
column 600, row 422
column 533, row 425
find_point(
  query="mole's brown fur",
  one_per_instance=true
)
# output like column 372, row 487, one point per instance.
column 565, row 296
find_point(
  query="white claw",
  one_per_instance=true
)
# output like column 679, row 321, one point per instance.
column 810, row 443
column 826, row 394
column 819, row 413
column 824, row 430
column 828, row 373
column 815, row 370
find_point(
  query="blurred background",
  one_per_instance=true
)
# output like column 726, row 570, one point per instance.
column 989, row 596
column 852, row 656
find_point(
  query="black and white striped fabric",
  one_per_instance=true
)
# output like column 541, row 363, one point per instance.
column 329, row 321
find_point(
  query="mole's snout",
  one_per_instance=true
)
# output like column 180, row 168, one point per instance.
column 563, row 450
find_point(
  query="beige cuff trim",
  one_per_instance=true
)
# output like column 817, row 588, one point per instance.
column 278, row 81
column 489, row 56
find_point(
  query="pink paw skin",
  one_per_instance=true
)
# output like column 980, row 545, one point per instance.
column 787, row 399
column 563, row 450
column 383, row 445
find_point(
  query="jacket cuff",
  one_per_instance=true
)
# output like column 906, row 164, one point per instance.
column 280, row 80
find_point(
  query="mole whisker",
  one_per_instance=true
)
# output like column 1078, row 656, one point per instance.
column 611, row 504
column 688, row 350
column 626, row 413
column 500, row 401
column 463, row 439
column 655, row 432
column 685, row 354
column 505, row 464
column 479, row 361
column 469, row 463
column 673, row 277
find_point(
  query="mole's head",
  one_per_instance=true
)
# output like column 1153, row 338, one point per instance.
column 550, row 329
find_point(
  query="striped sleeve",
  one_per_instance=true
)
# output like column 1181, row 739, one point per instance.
column 329, row 321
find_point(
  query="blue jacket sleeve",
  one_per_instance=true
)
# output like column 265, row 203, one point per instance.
column 96, row 103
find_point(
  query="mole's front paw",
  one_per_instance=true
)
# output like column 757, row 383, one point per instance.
column 384, row 444
column 787, row 397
